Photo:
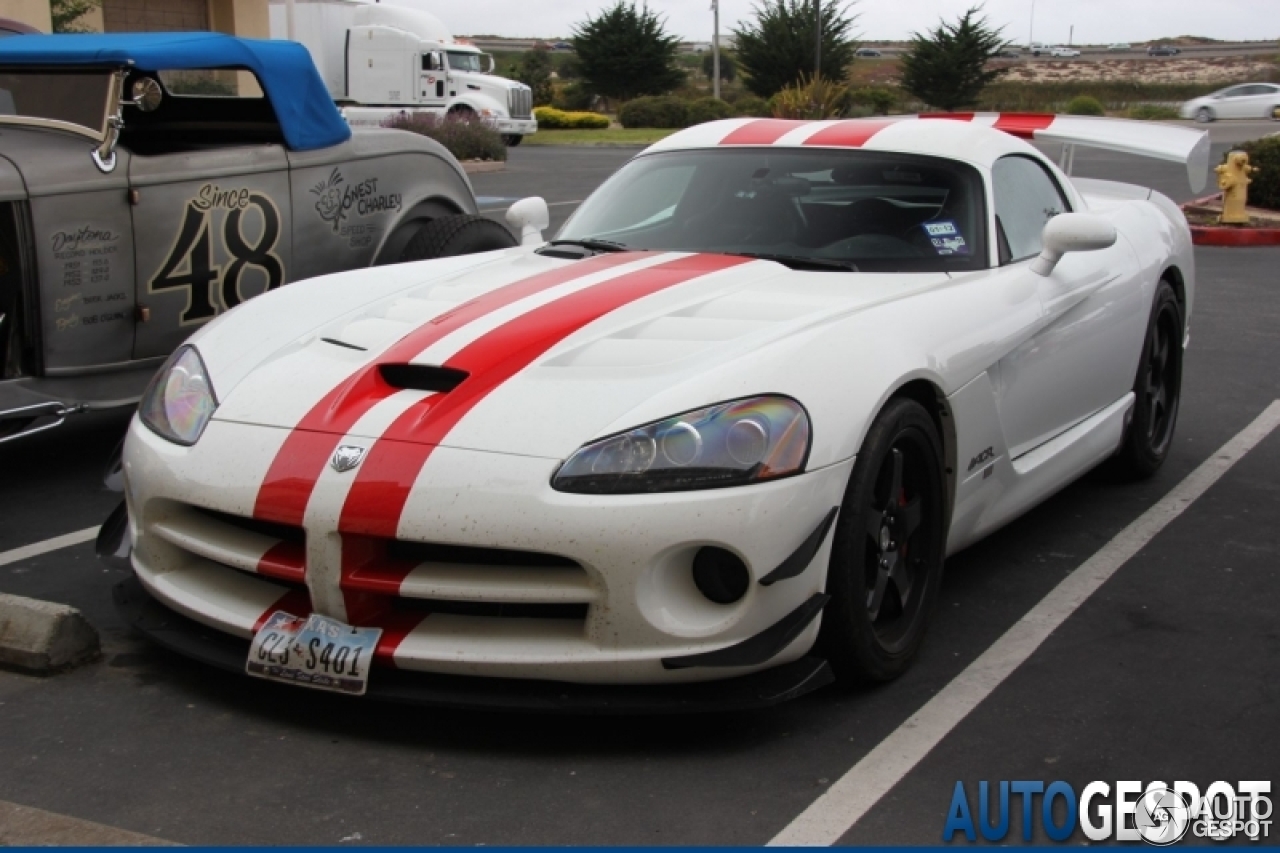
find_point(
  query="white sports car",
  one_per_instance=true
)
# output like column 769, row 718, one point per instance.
column 710, row 447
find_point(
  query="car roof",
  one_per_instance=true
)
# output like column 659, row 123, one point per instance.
column 306, row 112
column 978, row 138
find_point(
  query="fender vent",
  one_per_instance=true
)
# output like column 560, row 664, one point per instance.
column 421, row 377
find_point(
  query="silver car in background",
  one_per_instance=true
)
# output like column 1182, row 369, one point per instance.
column 1250, row 100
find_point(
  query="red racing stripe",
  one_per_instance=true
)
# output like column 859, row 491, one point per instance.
column 765, row 131
column 292, row 477
column 849, row 134
column 1023, row 125
column 385, row 478
column 295, row 602
column 952, row 116
column 286, row 561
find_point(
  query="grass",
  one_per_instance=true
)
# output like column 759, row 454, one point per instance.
column 611, row 136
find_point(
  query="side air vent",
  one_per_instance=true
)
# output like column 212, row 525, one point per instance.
column 421, row 377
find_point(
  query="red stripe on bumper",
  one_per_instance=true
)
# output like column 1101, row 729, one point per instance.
column 849, row 134
column 295, row 602
column 286, row 561
column 385, row 478
column 292, row 476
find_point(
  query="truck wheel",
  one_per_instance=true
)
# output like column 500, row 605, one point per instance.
column 512, row 140
column 450, row 236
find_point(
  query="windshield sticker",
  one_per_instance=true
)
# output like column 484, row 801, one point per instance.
column 946, row 238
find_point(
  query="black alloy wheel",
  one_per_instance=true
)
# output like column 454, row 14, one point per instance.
column 888, row 550
column 1157, row 388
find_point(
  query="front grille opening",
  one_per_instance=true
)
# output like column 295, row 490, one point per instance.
column 421, row 377
column 493, row 609
column 283, row 532
column 430, row 552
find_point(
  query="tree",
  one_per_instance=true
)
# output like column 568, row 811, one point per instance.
column 777, row 48
column 948, row 68
column 728, row 66
column 65, row 14
column 625, row 52
column 535, row 72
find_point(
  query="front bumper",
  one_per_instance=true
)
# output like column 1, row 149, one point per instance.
column 517, row 126
column 619, row 608
column 760, row 690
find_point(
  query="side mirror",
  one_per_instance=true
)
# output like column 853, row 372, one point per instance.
column 1072, row 232
column 489, row 64
column 433, row 61
column 529, row 217
column 146, row 95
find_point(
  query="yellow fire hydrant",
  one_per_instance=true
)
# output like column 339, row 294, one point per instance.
column 1233, row 180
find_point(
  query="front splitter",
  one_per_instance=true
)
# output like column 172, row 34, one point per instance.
column 759, row 690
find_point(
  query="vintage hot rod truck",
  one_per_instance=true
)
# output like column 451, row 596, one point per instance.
column 150, row 182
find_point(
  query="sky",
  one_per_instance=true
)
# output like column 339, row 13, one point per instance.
column 1095, row 21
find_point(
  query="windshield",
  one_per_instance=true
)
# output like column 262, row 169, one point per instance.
column 459, row 61
column 873, row 210
column 74, row 97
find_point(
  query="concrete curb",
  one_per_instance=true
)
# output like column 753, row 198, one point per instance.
column 42, row 637
column 1209, row 235
column 1227, row 235
column 472, row 167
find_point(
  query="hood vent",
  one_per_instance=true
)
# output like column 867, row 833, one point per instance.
column 421, row 377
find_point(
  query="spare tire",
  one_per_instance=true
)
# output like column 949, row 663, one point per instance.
column 450, row 236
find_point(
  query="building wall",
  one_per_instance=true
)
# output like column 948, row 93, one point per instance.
column 33, row 12
column 140, row 16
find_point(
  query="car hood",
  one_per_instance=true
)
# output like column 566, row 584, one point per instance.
column 526, row 354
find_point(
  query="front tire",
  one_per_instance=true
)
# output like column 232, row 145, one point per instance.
column 888, row 549
column 1157, row 388
column 512, row 140
column 450, row 236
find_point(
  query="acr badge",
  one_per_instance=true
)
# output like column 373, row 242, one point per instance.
column 346, row 457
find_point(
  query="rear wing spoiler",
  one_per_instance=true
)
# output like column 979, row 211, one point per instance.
column 1170, row 142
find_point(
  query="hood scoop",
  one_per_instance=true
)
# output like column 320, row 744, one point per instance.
column 422, row 377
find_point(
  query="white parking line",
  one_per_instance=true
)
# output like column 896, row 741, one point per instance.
column 64, row 541
column 23, row 826
column 853, row 795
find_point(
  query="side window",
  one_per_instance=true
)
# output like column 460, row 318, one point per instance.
column 1026, row 198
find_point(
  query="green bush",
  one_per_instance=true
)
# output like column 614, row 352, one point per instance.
column 466, row 137
column 549, row 118
column 1084, row 105
column 662, row 111
column 750, row 105
column 878, row 99
column 708, row 109
column 1264, row 154
column 572, row 97
column 1152, row 112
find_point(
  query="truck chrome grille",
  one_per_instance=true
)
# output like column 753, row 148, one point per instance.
column 520, row 102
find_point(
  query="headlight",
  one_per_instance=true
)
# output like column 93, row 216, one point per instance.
column 179, row 401
column 729, row 444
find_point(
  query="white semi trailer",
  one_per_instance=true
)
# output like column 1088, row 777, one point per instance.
column 380, row 61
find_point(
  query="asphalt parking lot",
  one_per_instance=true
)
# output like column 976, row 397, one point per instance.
column 1167, row 671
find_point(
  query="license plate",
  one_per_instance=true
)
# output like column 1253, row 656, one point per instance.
column 314, row 651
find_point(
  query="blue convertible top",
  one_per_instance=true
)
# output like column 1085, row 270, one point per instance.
column 301, row 102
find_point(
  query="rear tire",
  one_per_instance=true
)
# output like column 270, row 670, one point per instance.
column 888, row 549
column 1157, row 389
column 1204, row 115
column 450, row 236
